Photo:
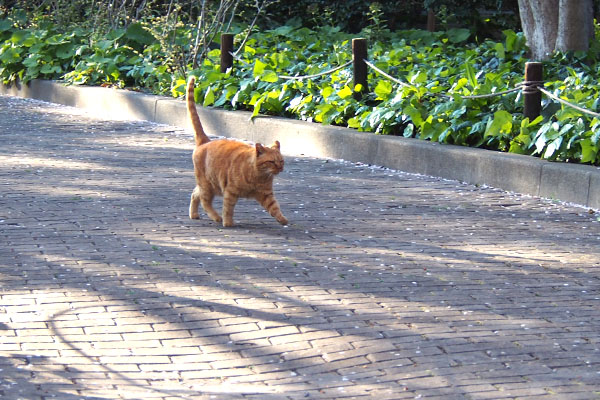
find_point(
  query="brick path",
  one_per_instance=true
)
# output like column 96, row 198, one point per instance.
column 384, row 285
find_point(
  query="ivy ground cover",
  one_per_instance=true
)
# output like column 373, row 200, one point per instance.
column 437, row 71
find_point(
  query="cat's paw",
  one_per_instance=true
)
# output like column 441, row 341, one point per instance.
column 217, row 218
column 282, row 220
column 194, row 216
column 227, row 223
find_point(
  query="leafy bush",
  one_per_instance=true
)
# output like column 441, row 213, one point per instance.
column 355, row 15
column 439, row 70
column 124, row 58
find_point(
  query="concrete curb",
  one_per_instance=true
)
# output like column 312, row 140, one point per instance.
column 578, row 184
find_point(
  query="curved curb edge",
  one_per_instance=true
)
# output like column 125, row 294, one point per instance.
column 579, row 184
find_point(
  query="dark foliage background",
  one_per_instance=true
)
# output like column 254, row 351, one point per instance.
column 350, row 15
column 354, row 15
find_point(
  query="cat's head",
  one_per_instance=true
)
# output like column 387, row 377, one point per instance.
column 269, row 159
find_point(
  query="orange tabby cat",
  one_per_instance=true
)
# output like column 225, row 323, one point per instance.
column 231, row 169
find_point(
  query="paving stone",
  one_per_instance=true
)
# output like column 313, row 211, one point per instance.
column 384, row 284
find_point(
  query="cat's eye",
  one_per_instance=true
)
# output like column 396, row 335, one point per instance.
column 275, row 163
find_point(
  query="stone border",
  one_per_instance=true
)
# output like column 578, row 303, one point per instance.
column 573, row 183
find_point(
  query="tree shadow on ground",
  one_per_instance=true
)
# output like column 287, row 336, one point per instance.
column 347, row 266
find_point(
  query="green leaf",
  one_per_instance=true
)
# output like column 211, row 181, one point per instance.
column 209, row 98
column 511, row 38
column 552, row 147
column 65, row 51
column 215, row 53
column 477, row 128
column 535, row 122
column 55, row 40
column 499, row 47
column 257, row 107
column 323, row 110
column 458, row 35
column 500, row 124
column 432, row 129
column 419, row 77
column 383, row 89
column 19, row 36
column 520, row 144
column 283, row 30
column 274, row 94
column 49, row 69
column 137, row 33
column 269, row 76
column 471, row 74
column 105, row 44
column 32, row 61
column 460, row 84
column 178, row 88
column 345, row 92
column 414, row 114
column 5, row 25
column 589, row 151
column 354, row 123
column 547, row 132
column 327, row 91
column 259, row 68
column 280, row 60
column 458, row 112
column 565, row 129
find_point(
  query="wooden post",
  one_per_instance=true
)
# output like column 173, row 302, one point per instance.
column 532, row 98
column 359, row 52
column 226, row 51
column 430, row 20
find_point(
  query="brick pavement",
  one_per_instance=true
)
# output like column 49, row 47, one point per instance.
column 385, row 284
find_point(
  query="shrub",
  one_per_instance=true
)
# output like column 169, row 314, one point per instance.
column 439, row 70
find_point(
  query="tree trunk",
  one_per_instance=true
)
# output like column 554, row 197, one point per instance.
column 550, row 25
column 575, row 25
column 430, row 20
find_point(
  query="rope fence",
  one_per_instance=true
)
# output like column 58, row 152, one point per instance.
column 238, row 59
column 569, row 104
column 391, row 78
column 531, row 87
column 447, row 95
column 329, row 71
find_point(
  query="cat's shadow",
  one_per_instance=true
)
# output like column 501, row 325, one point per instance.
column 263, row 227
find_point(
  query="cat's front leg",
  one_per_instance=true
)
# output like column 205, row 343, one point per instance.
column 270, row 204
column 229, row 202
column 281, row 219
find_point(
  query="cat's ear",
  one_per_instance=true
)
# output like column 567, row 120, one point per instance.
column 276, row 145
column 260, row 149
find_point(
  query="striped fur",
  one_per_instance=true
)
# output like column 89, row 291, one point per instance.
column 231, row 169
column 199, row 134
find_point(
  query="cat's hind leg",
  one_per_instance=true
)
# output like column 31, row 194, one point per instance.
column 229, row 202
column 204, row 198
column 194, row 203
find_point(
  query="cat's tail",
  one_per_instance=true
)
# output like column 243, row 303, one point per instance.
column 199, row 133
